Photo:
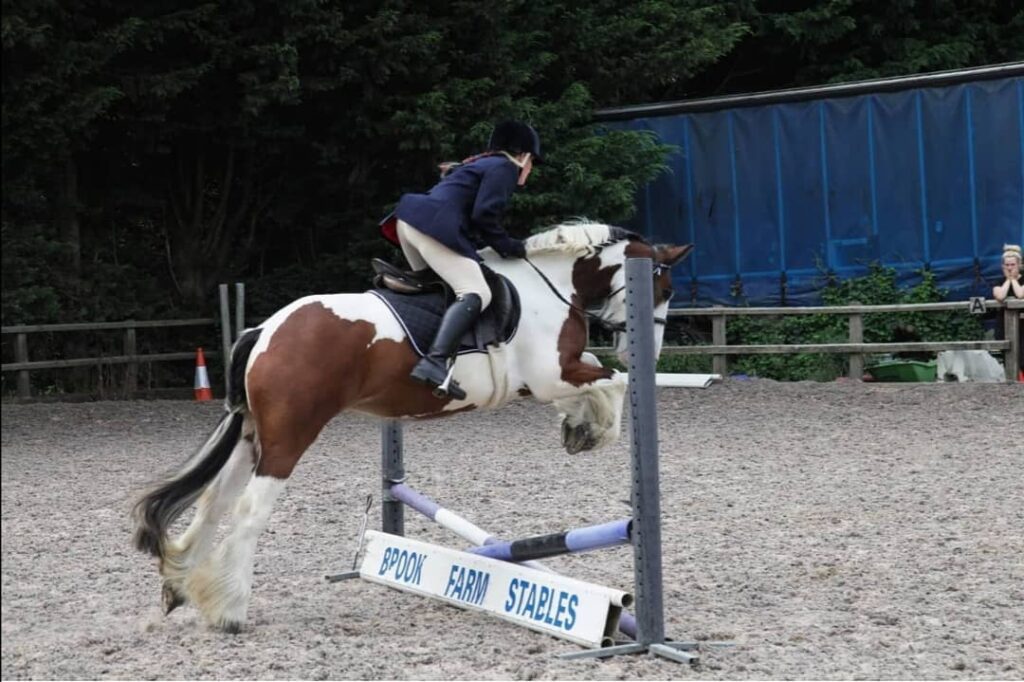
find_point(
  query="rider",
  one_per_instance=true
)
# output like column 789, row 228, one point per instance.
column 443, row 229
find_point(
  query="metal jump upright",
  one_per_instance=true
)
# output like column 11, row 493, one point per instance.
column 648, row 628
column 645, row 494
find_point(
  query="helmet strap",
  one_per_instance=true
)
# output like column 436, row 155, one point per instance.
column 519, row 164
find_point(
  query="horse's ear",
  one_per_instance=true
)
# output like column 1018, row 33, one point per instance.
column 672, row 255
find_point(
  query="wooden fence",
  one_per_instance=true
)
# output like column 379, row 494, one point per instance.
column 855, row 348
column 23, row 365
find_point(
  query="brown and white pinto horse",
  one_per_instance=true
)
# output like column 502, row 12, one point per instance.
column 322, row 355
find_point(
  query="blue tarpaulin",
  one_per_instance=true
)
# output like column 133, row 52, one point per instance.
column 778, row 197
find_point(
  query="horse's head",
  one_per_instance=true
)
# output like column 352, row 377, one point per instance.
column 663, row 258
column 598, row 272
column 583, row 264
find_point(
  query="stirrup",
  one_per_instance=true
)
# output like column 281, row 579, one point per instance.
column 450, row 388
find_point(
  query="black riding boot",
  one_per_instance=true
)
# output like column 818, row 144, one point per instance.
column 433, row 369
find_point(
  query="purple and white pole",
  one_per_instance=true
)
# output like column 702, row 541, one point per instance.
column 470, row 532
column 576, row 540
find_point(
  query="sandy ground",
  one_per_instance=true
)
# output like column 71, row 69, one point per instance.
column 829, row 530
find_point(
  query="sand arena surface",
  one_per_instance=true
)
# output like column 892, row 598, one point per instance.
column 830, row 530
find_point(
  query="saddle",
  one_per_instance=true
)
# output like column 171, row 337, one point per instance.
column 419, row 299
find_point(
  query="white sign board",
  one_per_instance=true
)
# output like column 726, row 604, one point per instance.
column 570, row 609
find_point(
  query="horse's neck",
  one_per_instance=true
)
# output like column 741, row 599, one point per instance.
column 547, row 322
column 536, row 295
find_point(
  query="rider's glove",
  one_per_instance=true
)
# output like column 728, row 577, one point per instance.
column 514, row 248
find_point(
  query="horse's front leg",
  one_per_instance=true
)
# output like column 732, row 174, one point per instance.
column 589, row 399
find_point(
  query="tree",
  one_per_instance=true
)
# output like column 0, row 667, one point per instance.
column 804, row 42
column 157, row 147
column 56, row 89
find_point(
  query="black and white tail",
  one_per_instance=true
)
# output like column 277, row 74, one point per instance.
column 171, row 497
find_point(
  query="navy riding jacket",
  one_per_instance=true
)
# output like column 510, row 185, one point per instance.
column 464, row 210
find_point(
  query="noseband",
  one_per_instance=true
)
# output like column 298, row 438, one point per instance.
column 598, row 319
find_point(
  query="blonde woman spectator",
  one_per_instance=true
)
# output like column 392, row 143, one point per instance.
column 1013, row 282
column 1013, row 285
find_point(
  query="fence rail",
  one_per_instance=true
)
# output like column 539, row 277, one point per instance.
column 718, row 349
column 104, row 360
column 964, row 306
column 101, row 326
column 855, row 348
column 24, row 366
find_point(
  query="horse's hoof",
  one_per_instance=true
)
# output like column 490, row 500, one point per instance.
column 171, row 599
column 574, row 438
column 231, row 627
column 567, row 433
column 580, row 438
column 590, row 442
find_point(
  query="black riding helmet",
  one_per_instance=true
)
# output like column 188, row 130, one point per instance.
column 515, row 137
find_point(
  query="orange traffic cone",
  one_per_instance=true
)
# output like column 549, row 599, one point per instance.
column 203, row 391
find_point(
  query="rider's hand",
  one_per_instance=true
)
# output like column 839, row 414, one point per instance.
column 515, row 249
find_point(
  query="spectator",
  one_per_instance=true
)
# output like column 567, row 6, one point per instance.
column 1013, row 283
column 1012, row 286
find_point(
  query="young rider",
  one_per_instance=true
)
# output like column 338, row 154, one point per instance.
column 443, row 228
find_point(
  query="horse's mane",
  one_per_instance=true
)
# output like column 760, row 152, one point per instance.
column 577, row 238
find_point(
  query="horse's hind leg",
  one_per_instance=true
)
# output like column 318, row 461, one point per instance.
column 310, row 371
column 221, row 585
column 189, row 549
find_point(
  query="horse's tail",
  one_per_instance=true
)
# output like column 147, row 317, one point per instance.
column 169, row 499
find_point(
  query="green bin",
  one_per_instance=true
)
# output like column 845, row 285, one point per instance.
column 903, row 370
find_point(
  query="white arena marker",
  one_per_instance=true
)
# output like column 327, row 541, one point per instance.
column 686, row 380
column 570, row 609
column 664, row 379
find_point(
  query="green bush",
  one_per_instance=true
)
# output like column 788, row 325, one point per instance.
column 685, row 364
column 877, row 287
column 678, row 364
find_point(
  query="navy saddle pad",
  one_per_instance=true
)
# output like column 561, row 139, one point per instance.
column 420, row 313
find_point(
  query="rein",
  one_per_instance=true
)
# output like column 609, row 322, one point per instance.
column 616, row 327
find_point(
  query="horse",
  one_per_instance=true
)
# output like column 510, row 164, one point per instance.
column 322, row 355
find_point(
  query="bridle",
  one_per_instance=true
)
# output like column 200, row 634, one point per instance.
column 598, row 317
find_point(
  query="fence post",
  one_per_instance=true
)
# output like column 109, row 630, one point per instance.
column 225, row 336
column 392, row 510
column 856, row 336
column 131, row 374
column 21, row 355
column 719, row 363
column 643, row 405
column 239, row 308
column 1011, row 327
